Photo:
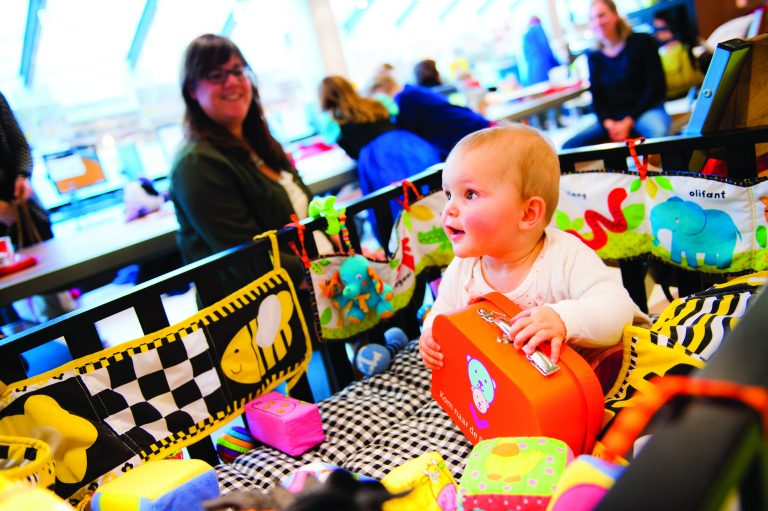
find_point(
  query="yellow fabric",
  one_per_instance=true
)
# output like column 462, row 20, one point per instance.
column 645, row 354
column 679, row 72
column 684, row 337
column 580, row 472
column 16, row 496
column 73, row 434
column 38, row 471
column 427, row 478
column 149, row 481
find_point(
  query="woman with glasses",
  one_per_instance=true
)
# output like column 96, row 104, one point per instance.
column 626, row 81
column 230, row 179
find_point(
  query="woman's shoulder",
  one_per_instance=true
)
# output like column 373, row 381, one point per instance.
column 197, row 152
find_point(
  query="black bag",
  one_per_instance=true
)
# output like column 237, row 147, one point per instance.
column 33, row 224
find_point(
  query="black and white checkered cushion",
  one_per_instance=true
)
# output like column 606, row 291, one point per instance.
column 371, row 427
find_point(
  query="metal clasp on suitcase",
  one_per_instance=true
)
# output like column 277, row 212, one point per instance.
column 539, row 360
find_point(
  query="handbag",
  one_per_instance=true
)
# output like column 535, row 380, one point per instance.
column 489, row 389
column 32, row 223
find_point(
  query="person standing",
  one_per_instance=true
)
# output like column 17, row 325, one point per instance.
column 538, row 58
column 536, row 63
column 15, row 189
column 626, row 82
column 15, row 173
column 231, row 179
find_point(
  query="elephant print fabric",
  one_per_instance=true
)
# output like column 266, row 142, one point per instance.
column 352, row 293
column 708, row 223
column 695, row 230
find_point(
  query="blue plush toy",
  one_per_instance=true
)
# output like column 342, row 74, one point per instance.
column 374, row 358
column 361, row 291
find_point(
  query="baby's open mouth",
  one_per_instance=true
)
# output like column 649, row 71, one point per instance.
column 453, row 233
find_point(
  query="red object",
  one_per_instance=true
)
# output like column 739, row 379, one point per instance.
column 307, row 150
column 490, row 389
column 715, row 167
column 559, row 88
column 20, row 261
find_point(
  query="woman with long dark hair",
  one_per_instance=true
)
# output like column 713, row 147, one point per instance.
column 230, row 179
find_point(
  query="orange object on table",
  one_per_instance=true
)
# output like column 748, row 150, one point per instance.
column 490, row 389
column 20, row 261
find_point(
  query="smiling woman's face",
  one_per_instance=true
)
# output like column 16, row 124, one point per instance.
column 603, row 22
column 227, row 102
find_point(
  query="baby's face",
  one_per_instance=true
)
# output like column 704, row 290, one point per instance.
column 484, row 204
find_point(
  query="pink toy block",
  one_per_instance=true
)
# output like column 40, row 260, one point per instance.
column 285, row 423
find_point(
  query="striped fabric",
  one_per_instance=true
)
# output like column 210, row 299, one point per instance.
column 702, row 320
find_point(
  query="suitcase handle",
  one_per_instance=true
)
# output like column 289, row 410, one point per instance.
column 539, row 360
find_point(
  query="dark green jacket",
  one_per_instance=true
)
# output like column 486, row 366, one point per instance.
column 222, row 200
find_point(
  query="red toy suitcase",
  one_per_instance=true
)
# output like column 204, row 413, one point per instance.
column 491, row 390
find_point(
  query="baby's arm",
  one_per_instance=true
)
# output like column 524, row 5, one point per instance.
column 446, row 301
column 595, row 306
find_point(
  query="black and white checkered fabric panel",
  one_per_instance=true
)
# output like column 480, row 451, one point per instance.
column 157, row 391
column 371, row 427
column 430, row 429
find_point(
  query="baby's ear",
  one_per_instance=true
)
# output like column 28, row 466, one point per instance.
column 535, row 211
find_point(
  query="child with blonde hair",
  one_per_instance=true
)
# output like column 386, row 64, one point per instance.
column 502, row 187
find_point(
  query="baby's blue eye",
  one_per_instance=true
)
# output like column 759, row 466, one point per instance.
column 471, row 194
column 447, row 194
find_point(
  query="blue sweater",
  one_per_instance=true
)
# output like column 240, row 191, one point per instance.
column 433, row 118
column 630, row 83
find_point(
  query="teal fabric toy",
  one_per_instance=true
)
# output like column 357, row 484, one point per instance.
column 360, row 291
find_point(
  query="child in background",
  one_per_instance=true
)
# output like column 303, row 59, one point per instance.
column 502, row 186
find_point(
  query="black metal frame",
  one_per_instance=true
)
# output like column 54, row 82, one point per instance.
column 700, row 450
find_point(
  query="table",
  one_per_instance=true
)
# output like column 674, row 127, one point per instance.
column 82, row 253
column 101, row 241
column 327, row 171
column 524, row 103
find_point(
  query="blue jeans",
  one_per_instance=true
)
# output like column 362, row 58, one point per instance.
column 651, row 124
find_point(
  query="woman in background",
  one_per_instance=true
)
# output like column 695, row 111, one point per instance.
column 626, row 82
column 367, row 134
column 230, row 179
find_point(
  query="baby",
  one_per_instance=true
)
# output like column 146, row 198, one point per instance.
column 502, row 186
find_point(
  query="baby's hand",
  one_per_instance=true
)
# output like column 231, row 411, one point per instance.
column 537, row 325
column 429, row 350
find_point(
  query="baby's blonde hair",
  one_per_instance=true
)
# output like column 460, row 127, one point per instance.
column 527, row 150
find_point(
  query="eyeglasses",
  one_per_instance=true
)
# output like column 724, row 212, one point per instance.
column 219, row 75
